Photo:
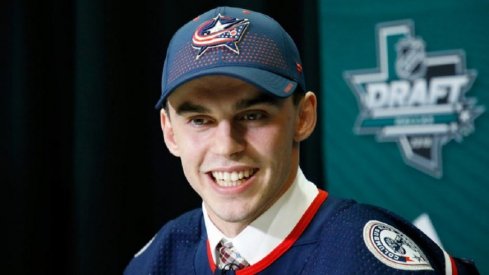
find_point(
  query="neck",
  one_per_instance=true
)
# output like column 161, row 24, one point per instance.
column 231, row 230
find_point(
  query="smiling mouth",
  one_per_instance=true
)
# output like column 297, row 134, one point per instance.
column 232, row 179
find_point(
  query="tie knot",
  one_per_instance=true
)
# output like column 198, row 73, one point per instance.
column 229, row 257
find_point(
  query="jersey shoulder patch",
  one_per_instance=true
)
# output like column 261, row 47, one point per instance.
column 393, row 248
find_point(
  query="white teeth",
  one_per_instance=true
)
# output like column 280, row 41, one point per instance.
column 234, row 176
column 228, row 179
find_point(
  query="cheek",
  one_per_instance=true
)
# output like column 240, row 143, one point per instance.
column 192, row 148
column 271, row 141
column 190, row 141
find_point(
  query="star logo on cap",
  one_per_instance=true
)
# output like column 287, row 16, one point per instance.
column 220, row 31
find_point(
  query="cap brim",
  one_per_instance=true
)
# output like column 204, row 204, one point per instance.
column 265, row 80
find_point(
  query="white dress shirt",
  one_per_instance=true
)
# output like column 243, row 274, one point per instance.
column 265, row 233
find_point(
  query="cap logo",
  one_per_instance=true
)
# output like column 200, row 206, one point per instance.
column 288, row 88
column 220, row 31
column 298, row 67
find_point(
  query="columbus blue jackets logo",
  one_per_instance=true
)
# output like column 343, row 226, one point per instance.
column 393, row 248
column 414, row 97
column 221, row 31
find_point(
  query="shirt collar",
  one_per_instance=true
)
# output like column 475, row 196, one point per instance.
column 265, row 233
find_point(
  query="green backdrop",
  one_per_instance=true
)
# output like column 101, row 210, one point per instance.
column 373, row 169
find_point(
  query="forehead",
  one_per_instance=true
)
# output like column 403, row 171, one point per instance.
column 213, row 88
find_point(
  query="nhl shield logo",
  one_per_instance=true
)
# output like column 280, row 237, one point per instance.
column 410, row 58
column 414, row 97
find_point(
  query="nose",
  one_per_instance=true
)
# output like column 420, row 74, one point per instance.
column 228, row 139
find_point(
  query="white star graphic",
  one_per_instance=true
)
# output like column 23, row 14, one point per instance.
column 464, row 116
column 219, row 26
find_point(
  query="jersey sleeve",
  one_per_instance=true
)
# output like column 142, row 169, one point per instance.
column 364, row 239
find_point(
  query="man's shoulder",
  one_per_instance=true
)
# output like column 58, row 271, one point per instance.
column 176, row 240
column 187, row 221
column 187, row 227
column 383, row 240
column 352, row 221
column 348, row 212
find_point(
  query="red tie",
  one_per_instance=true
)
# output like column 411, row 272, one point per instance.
column 229, row 258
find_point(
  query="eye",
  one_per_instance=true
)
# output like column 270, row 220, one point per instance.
column 253, row 116
column 199, row 121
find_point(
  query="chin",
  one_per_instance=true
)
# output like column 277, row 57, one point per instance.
column 234, row 216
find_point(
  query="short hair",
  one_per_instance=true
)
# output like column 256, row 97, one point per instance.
column 298, row 95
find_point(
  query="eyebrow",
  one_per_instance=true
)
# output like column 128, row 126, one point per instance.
column 262, row 98
column 188, row 107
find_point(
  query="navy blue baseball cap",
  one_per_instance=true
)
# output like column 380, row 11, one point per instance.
column 235, row 42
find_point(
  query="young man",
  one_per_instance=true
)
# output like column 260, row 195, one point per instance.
column 234, row 110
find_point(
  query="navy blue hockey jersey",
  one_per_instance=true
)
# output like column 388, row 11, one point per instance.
column 334, row 236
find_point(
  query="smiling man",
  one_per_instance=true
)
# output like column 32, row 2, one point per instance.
column 239, row 147
column 234, row 109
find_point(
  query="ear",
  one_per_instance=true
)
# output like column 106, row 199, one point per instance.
column 168, row 134
column 307, row 117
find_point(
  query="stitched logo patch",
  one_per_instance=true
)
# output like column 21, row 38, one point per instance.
column 220, row 31
column 393, row 248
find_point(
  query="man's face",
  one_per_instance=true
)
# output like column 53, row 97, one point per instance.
column 238, row 146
